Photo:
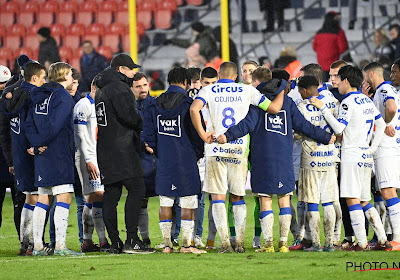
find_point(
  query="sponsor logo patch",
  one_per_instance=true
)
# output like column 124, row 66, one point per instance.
column 169, row 127
column 101, row 114
column 276, row 123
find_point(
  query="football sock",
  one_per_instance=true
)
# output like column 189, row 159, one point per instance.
column 38, row 220
column 393, row 205
column 187, row 227
column 267, row 225
column 285, row 217
column 26, row 223
column 301, row 209
column 388, row 226
column 307, row 230
column 219, row 214
column 329, row 222
column 61, row 214
column 144, row 222
column 87, row 221
column 338, row 222
column 212, row 230
column 293, row 222
column 98, row 221
column 231, row 222
column 358, row 224
column 380, row 206
column 375, row 222
column 239, row 210
column 257, row 226
column 165, row 227
column 313, row 218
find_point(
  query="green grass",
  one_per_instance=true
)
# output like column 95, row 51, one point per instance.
column 250, row 265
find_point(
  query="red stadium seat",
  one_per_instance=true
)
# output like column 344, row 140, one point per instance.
column 145, row 13
column 162, row 19
column 6, row 57
column 67, row 12
column 140, row 29
column 33, row 29
column 194, row 2
column 106, row 11
column 73, row 35
column 57, row 32
column 105, row 51
column 112, row 41
column 166, row 5
column 30, row 39
column 86, row 12
column 122, row 14
column 8, row 13
column 94, row 32
column 47, row 12
column 65, row 54
column 77, row 28
column 117, row 28
column 2, row 34
column 179, row 2
column 19, row 2
column 14, row 35
column 27, row 13
column 24, row 50
column 126, row 44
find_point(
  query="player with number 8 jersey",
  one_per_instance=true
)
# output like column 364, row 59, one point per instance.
column 226, row 165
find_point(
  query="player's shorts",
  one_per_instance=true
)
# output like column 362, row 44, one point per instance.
column 271, row 195
column 31, row 193
column 223, row 174
column 355, row 180
column 318, row 186
column 88, row 186
column 187, row 202
column 387, row 172
column 55, row 190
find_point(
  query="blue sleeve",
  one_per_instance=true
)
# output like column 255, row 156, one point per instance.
column 245, row 126
column 194, row 137
column 300, row 124
column 60, row 113
column 149, row 134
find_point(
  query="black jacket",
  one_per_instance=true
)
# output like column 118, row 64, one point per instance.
column 119, row 126
column 48, row 51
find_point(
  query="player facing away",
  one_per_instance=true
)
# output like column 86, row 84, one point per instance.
column 169, row 133
column 318, row 180
column 85, row 126
column 226, row 165
column 49, row 129
column 271, row 143
column 387, row 156
column 16, row 108
column 357, row 117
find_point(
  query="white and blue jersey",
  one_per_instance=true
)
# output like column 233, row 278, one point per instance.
column 358, row 113
column 228, row 103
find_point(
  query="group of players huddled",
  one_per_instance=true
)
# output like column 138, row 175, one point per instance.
column 204, row 136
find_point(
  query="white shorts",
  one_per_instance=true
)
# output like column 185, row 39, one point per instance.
column 60, row 189
column 318, row 186
column 187, row 202
column 31, row 193
column 271, row 195
column 223, row 174
column 88, row 186
column 355, row 180
column 387, row 172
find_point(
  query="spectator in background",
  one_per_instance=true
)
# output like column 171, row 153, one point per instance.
column 214, row 60
column 383, row 47
column 48, row 50
column 5, row 75
column 241, row 5
column 329, row 43
column 155, row 81
column 272, row 8
column 352, row 13
column 233, row 53
column 288, row 61
column 265, row 61
column 394, row 31
column 202, row 43
column 92, row 63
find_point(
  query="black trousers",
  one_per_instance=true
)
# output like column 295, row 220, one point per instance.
column 112, row 194
column 18, row 199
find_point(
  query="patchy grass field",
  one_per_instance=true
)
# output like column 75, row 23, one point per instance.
column 250, row 265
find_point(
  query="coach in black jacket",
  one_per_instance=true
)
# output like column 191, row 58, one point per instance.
column 118, row 148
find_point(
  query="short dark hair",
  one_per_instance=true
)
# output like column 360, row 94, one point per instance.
column 228, row 69
column 178, row 75
column 75, row 74
column 138, row 76
column 194, row 73
column 95, row 81
column 208, row 72
column 262, row 74
column 32, row 68
column 396, row 25
column 338, row 63
column 397, row 62
column 352, row 74
column 313, row 69
column 280, row 74
column 307, row 81
column 87, row 42
column 373, row 66
column 263, row 59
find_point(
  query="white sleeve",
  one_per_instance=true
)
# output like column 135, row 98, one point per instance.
column 380, row 126
column 203, row 96
column 81, row 116
column 338, row 125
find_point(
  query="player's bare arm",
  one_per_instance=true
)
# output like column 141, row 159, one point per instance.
column 92, row 170
column 222, row 139
column 276, row 105
column 390, row 112
column 195, row 108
